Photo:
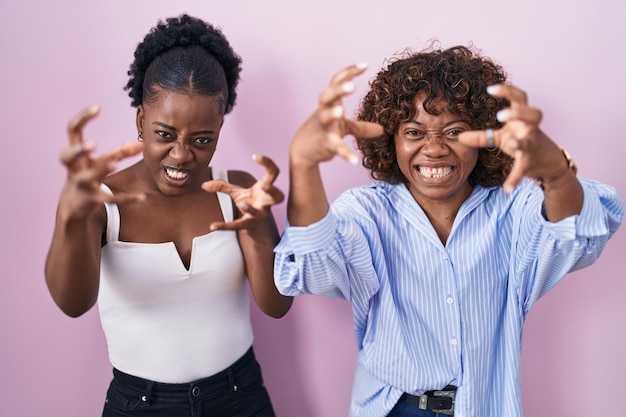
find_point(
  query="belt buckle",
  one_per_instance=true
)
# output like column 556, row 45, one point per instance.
column 449, row 394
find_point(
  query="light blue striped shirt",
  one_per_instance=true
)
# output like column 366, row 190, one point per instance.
column 428, row 315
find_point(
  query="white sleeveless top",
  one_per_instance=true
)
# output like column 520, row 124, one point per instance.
column 165, row 323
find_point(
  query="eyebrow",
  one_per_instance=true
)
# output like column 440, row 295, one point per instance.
column 445, row 125
column 200, row 132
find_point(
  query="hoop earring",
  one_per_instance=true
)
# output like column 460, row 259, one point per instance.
column 140, row 137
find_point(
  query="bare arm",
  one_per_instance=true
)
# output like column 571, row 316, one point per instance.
column 320, row 139
column 72, row 268
column 257, row 246
column 562, row 192
column 257, row 231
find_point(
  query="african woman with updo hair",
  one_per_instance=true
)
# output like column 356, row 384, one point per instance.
column 170, row 246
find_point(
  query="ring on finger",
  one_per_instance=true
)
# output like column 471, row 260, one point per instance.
column 78, row 148
column 490, row 139
column 81, row 147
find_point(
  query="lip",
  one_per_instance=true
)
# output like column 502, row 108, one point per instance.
column 434, row 173
column 176, row 176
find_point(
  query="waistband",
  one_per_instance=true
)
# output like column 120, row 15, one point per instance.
column 437, row 401
column 222, row 379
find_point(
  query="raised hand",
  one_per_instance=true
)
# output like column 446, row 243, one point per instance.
column 82, row 193
column 320, row 138
column 254, row 202
column 535, row 154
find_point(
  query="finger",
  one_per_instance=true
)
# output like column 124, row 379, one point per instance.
column 341, row 84
column 271, row 169
column 346, row 153
column 349, row 73
column 363, row 129
column 510, row 92
column 77, row 124
column 121, row 198
column 91, row 177
column 71, row 153
column 234, row 225
column 514, row 177
column 480, row 138
column 328, row 115
column 123, row 151
column 219, row 186
column 526, row 114
column 334, row 92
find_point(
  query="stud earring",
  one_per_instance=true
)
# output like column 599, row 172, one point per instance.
column 140, row 137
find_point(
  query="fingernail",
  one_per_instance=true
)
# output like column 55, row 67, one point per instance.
column 95, row 108
column 493, row 88
column 514, row 144
column 347, row 87
column 354, row 159
column 503, row 115
column 361, row 65
column 255, row 157
column 337, row 111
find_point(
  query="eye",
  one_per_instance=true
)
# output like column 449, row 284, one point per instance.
column 203, row 141
column 453, row 134
column 163, row 134
column 413, row 134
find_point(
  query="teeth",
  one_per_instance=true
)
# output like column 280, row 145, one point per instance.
column 435, row 172
column 176, row 174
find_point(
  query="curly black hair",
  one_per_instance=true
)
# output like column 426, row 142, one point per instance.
column 184, row 53
column 459, row 75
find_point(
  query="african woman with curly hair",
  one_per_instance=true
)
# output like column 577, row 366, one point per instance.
column 169, row 246
column 473, row 215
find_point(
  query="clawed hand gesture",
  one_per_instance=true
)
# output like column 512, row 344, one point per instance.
column 320, row 138
column 254, row 203
column 82, row 193
column 535, row 154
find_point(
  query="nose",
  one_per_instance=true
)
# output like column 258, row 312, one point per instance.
column 181, row 152
column 435, row 145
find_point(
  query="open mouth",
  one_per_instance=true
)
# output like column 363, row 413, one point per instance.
column 429, row 172
column 176, row 174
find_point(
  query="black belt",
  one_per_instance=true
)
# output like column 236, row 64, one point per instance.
column 439, row 401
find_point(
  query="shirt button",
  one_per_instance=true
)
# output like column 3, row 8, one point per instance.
column 195, row 391
column 445, row 257
column 454, row 342
column 450, row 300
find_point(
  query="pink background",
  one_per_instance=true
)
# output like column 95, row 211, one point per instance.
column 58, row 57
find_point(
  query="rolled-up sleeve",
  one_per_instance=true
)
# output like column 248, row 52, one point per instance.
column 311, row 252
column 600, row 217
column 571, row 244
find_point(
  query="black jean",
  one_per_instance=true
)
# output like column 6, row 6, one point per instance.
column 407, row 410
column 238, row 391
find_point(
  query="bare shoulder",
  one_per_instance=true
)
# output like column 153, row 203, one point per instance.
column 241, row 178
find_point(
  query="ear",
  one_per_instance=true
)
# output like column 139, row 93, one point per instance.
column 139, row 120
